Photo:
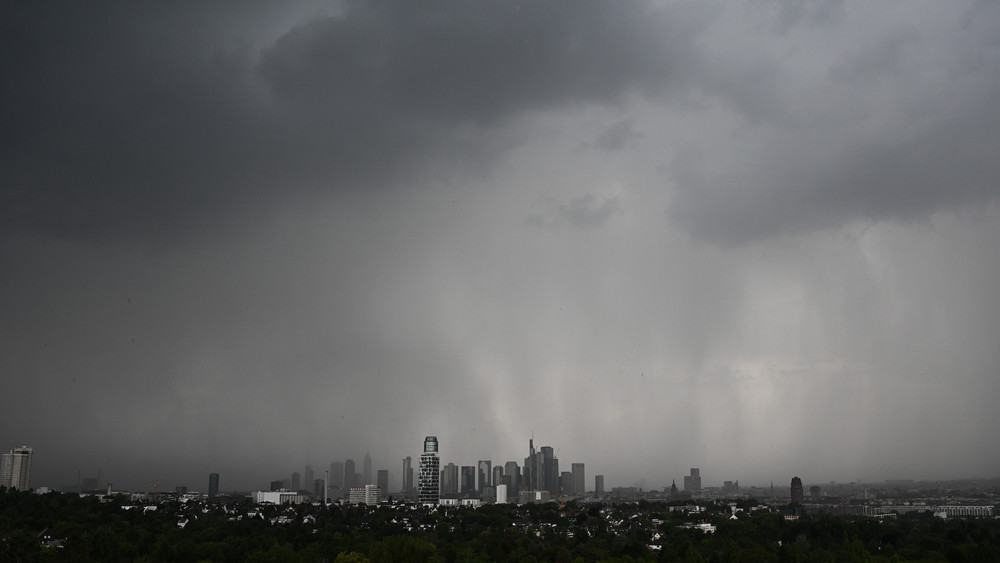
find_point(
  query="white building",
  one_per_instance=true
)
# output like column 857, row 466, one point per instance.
column 279, row 497
column 15, row 469
column 369, row 494
column 502, row 494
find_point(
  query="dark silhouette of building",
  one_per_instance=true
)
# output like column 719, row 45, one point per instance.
column 566, row 482
column 549, row 471
column 382, row 480
column 213, row 485
column 335, row 484
column 512, row 478
column 349, row 475
column 599, row 485
column 468, row 479
column 308, row 478
column 579, row 479
column 815, row 493
column 797, row 490
column 692, row 482
column 530, row 481
column 366, row 470
column 449, row 479
column 484, row 474
column 407, row 475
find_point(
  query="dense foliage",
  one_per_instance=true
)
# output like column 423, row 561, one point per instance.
column 92, row 529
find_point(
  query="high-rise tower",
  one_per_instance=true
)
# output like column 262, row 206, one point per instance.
column 407, row 475
column 15, row 468
column 213, row 485
column 449, row 480
column 382, row 480
column 692, row 482
column 366, row 470
column 512, row 478
column 484, row 474
column 548, row 470
column 468, row 479
column 579, row 481
column 335, row 479
column 350, row 475
column 308, row 478
column 796, row 492
column 428, row 490
column 530, row 480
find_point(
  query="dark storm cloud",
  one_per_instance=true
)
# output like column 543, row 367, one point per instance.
column 158, row 120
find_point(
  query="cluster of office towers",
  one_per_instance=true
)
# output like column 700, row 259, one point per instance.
column 540, row 474
column 338, row 481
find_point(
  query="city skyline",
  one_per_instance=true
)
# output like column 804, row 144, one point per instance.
column 339, row 486
column 756, row 238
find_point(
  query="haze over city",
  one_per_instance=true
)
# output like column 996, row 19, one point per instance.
column 759, row 238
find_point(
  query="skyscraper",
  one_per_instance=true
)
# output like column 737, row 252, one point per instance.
column 797, row 490
column 541, row 469
column 15, row 469
column 692, row 482
column 449, row 479
column 549, row 471
column 468, row 479
column 512, row 477
column 349, row 473
column 815, row 493
column 599, row 485
column 382, row 481
column 566, row 483
column 335, row 481
column 366, row 470
column 485, row 474
column 579, row 480
column 213, row 485
column 296, row 482
column 407, row 475
column 530, row 481
column 308, row 478
column 428, row 491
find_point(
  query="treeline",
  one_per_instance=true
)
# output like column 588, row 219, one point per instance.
column 91, row 530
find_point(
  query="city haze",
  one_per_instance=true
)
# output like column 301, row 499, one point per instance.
column 757, row 238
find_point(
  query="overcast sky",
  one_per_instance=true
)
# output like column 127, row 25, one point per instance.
column 761, row 238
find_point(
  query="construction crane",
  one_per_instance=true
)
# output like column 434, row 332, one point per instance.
column 155, row 484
